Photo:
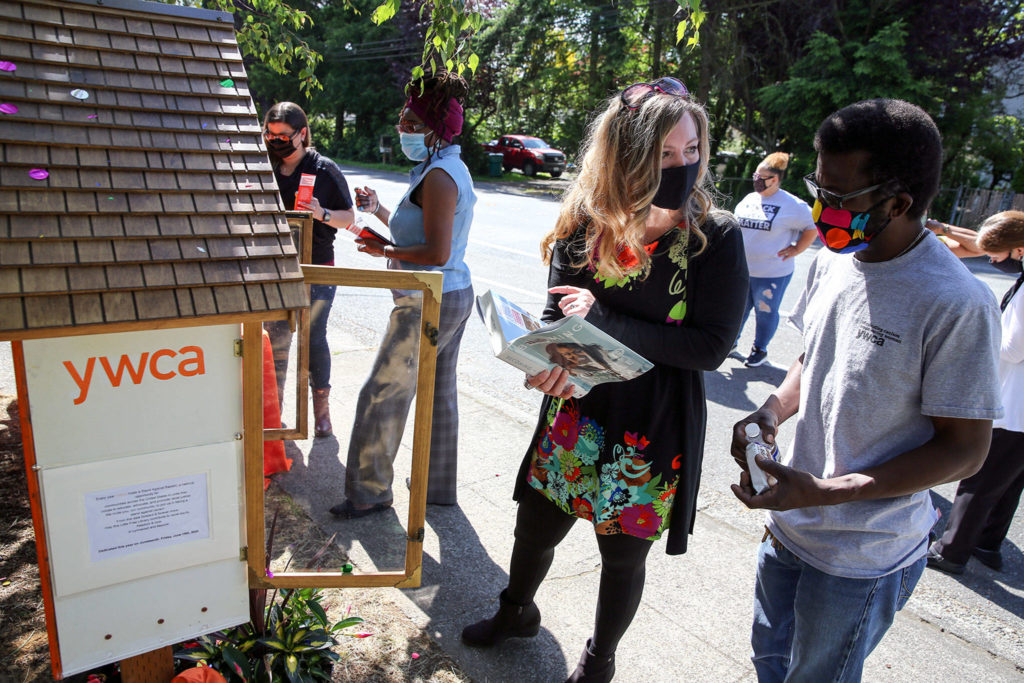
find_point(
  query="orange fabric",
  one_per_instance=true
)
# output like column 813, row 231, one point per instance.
column 200, row 674
column 274, row 459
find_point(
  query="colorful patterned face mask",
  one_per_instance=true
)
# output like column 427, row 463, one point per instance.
column 844, row 231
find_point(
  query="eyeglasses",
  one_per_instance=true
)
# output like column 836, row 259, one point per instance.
column 758, row 176
column 411, row 127
column 833, row 200
column 635, row 95
column 267, row 135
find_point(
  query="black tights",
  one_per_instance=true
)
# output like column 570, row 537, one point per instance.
column 540, row 526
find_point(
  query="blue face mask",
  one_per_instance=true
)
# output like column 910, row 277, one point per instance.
column 414, row 146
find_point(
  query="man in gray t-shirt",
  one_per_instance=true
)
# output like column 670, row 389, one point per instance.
column 895, row 393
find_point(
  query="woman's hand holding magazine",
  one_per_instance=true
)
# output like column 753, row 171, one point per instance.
column 551, row 354
column 553, row 382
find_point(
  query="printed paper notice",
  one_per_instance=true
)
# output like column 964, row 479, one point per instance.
column 146, row 516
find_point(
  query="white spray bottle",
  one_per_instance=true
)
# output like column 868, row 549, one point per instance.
column 758, row 446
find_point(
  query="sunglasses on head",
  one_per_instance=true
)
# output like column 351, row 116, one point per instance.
column 638, row 93
column 833, row 200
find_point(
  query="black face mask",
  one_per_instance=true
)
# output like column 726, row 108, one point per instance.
column 760, row 184
column 280, row 148
column 1008, row 265
column 675, row 186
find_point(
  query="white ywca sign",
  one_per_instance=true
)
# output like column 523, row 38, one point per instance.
column 108, row 395
column 160, row 364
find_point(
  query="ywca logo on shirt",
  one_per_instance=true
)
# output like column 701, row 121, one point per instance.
column 185, row 362
column 877, row 335
column 769, row 213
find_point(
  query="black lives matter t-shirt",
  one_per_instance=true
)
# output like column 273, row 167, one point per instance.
column 330, row 188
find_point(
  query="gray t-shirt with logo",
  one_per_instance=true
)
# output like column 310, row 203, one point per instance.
column 887, row 345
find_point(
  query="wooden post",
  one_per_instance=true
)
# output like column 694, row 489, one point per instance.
column 156, row 666
column 252, row 419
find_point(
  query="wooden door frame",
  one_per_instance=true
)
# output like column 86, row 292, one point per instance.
column 430, row 284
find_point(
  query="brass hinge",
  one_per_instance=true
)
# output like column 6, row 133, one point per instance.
column 243, row 554
column 238, row 348
column 431, row 333
column 418, row 538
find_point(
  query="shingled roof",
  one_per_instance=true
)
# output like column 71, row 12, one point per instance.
column 160, row 202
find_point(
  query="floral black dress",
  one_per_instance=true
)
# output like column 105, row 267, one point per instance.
column 619, row 455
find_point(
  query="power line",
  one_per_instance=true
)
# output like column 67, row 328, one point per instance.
column 396, row 55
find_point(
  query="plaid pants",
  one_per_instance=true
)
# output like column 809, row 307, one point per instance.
column 385, row 398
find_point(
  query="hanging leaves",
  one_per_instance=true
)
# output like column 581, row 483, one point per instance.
column 267, row 31
column 449, row 36
column 694, row 17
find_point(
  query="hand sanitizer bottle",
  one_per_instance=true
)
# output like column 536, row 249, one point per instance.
column 757, row 446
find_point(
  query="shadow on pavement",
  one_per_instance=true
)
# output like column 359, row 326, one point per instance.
column 461, row 587
column 727, row 386
column 994, row 586
column 460, row 581
column 320, row 484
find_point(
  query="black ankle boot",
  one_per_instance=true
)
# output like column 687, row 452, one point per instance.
column 593, row 668
column 512, row 621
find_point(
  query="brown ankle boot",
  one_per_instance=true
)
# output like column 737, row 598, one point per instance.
column 512, row 621
column 321, row 413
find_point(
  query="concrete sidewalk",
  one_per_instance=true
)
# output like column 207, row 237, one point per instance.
column 693, row 623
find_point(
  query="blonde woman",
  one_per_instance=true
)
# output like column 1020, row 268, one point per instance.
column 777, row 226
column 640, row 251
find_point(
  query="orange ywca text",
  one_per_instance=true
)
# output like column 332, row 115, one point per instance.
column 190, row 365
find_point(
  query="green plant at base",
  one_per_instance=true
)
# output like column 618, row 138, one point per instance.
column 295, row 645
column 286, row 640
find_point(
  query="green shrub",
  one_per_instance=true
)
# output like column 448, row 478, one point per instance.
column 293, row 644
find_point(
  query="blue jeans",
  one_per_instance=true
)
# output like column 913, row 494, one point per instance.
column 321, row 297
column 814, row 627
column 765, row 297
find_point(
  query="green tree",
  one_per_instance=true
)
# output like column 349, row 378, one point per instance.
column 831, row 75
column 999, row 144
column 946, row 58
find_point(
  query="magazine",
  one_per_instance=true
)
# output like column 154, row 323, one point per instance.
column 523, row 341
column 360, row 229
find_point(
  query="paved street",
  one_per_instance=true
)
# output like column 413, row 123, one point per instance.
column 696, row 609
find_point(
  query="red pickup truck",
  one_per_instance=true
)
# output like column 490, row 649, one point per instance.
column 528, row 154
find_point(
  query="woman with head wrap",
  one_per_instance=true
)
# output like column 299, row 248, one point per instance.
column 430, row 228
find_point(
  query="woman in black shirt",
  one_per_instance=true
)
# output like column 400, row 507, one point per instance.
column 286, row 134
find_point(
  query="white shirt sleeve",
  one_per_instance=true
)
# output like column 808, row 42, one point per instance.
column 1011, row 350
